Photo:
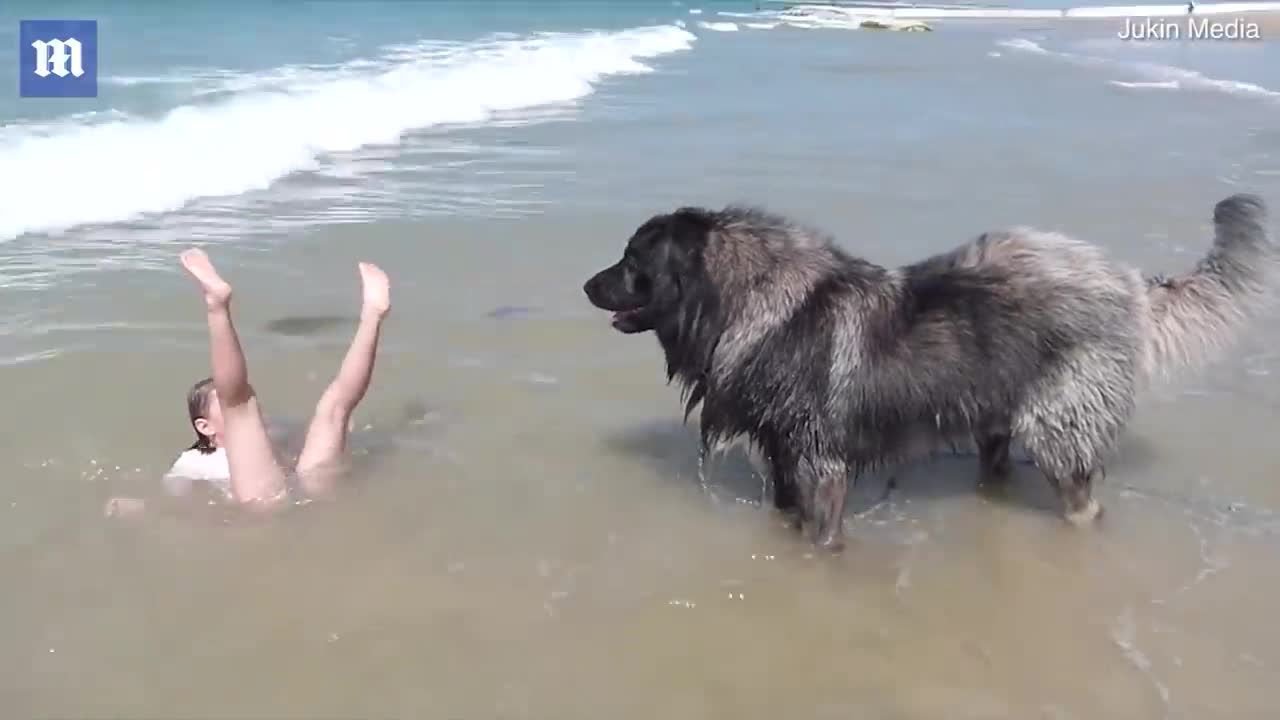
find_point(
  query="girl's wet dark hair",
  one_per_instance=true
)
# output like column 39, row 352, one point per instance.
column 198, row 407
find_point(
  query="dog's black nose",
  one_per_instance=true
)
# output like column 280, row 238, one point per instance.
column 589, row 286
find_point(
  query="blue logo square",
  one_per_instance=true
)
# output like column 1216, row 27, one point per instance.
column 58, row 58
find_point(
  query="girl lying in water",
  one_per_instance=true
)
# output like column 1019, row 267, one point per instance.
column 232, row 450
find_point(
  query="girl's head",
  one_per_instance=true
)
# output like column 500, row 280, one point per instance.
column 205, row 415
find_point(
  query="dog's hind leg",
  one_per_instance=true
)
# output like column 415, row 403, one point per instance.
column 1076, row 491
column 1071, row 464
column 1072, row 422
column 1072, row 460
column 1063, row 463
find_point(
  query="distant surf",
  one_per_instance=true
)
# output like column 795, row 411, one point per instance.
column 1152, row 75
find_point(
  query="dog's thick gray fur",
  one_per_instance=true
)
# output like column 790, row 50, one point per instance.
column 833, row 365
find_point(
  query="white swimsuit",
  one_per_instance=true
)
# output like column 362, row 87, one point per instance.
column 195, row 465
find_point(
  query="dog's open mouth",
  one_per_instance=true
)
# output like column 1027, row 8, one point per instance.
column 624, row 318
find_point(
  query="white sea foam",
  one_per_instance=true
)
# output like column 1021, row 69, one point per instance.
column 88, row 171
column 1151, row 74
column 718, row 26
column 825, row 18
column 1159, row 85
column 1024, row 45
column 127, row 80
column 819, row 15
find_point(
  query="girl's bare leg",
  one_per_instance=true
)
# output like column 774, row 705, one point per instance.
column 256, row 477
column 327, row 435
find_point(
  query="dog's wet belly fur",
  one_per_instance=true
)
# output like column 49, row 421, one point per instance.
column 834, row 366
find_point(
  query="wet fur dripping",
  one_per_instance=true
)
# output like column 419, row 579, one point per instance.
column 832, row 365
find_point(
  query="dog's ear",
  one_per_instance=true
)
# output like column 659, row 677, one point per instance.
column 687, row 233
column 678, row 254
column 690, row 226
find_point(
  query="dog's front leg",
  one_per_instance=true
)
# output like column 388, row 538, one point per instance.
column 826, row 521
column 779, row 469
column 782, row 477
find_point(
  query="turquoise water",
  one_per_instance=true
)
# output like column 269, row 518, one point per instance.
column 211, row 114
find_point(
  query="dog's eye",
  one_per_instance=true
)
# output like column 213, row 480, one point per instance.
column 641, row 283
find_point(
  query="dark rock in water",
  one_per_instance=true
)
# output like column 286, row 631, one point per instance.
column 503, row 312
column 306, row 324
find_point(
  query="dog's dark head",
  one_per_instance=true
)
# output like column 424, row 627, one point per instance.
column 662, row 264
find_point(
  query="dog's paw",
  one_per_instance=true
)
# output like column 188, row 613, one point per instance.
column 992, row 483
column 791, row 519
column 1085, row 516
column 829, row 540
column 832, row 545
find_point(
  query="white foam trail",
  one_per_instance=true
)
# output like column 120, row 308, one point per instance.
column 1193, row 79
column 719, row 26
column 1123, row 634
column 1153, row 72
column 75, row 173
column 1166, row 85
column 127, row 80
column 695, row 11
column 761, row 26
column 1023, row 45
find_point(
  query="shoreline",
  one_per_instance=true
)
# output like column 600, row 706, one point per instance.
column 1251, row 28
column 1238, row 27
column 974, row 11
column 1266, row 16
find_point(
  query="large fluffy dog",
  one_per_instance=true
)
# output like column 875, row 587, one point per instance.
column 832, row 365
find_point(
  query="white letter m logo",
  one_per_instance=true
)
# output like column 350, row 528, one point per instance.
column 55, row 54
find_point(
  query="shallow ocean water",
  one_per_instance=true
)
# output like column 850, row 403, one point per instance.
column 527, row 536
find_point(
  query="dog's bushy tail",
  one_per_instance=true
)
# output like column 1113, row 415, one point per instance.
column 1194, row 315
